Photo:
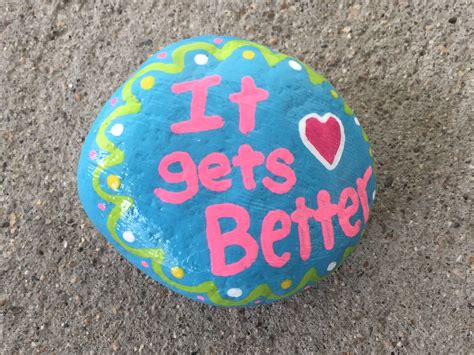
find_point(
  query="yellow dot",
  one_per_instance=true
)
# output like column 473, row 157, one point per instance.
column 147, row 82
column 177, row 272
column 113, row 181
column 347, row 109
column 286, row 284
column 248, row 54
column 334, row 94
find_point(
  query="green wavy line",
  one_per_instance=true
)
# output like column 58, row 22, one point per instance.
column 262, row 290
column 123, row 203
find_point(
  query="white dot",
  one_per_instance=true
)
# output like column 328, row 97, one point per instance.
column 234, row 292
column 332, row 265
column 295, row 65
column 125, row 205
column 128, row 236
column 356, row 121
column 373, row 196
column 201, row 59
column 117, row 129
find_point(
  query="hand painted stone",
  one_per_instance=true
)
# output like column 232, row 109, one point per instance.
column 230, row 173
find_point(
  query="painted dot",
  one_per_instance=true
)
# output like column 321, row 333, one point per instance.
column 162, row 55
column 257, row 301
column 295, row 65
column 234, row 292
column 177, row 272
column 128, row 236
column 373, row 195
column 147, row 82
column 356, row 121
column 286, row 284
column 201, row 59
column 117, row 129
column 101, row 206
column 145, row 264
column 218, row 40
column 248, row 54
column 113, row 181
column 113, row 101
column 334, row 93
column 125, row 205
column 92, row 155
column 200, row 298
column 332, row 265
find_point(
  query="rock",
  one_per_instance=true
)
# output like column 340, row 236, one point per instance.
column 3, row 300
column 115, row 346
column 230, row 173
column 346, row 29
column 354, row 12
column 12, row 220
column 388, row 181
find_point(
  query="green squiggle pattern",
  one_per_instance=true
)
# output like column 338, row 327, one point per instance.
column 123, row 203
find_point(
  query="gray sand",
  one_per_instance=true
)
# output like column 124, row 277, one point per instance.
column 405, row 69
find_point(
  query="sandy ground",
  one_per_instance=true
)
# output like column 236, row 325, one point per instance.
column 406, row 70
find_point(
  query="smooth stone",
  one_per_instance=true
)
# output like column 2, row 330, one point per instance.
column 228, row 172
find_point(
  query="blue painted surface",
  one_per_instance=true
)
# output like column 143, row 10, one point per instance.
column 180, row 229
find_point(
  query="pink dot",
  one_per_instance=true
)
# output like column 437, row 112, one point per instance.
column 113, row 101
column 92, row 154
column 257, row 302
column 145, row 264
column 162, row 55
column 307, row 287
column 101, row 206
column 200, row 298
column 218, row 40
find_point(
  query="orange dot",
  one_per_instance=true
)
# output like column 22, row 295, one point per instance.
column 248, row 54
column 177, row 272
column 286, row 284
column 334, row 94
column 113, row 181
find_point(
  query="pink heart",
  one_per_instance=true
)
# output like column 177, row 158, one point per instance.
column 324, row 137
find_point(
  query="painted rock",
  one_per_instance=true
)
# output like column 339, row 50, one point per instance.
column 228, row 172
